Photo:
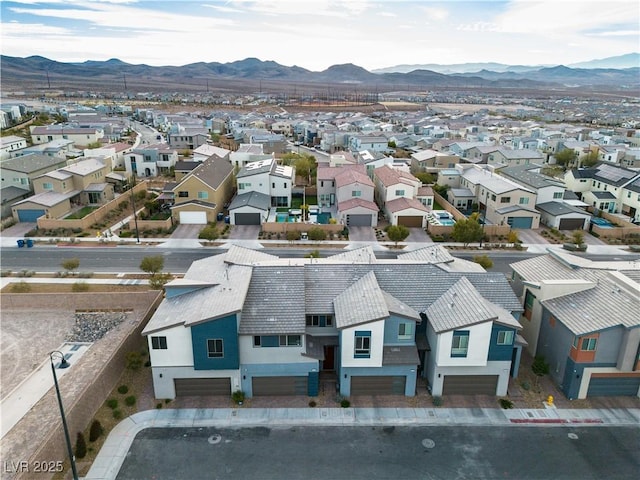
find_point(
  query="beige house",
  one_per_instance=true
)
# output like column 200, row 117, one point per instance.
column 203, row 192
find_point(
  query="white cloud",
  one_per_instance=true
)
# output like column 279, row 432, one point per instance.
column 223, row 8
column 436, row 13
column 29, row 29
column 617, row 33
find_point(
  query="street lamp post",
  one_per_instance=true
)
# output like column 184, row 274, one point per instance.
column 63, row 364
column 484, row 219
column 133, row 202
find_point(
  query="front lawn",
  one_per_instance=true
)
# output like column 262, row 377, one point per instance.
column 83, row 212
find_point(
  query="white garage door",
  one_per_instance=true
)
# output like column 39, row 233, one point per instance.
column 191, row 218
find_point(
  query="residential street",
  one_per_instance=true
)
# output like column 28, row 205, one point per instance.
column 434, row 452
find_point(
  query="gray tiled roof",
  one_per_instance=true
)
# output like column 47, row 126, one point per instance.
column 417, row 285
column 32, row 163
column 361, row 302
column 400, row 355
column 357, row 255
column 604, row 306
column 400, row 308
column 431, row 254
column 460, row 306
column 275, row 301
column 246, row 256
column 252, row 199
column 560, row 208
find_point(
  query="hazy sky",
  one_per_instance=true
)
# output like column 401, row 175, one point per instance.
column 316, row 34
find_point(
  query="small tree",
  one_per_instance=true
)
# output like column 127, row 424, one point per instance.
column 566, row 157
column 81, row 446
column 577, row 237
column 95, row 431
column 484, row 261
column 539, row 367
column 158, row 280
column 468, row 230
column 70, row 264
column 589, row 159
column 513, row 237
column 313, row 254
column 152, row 264
column 293, row 235
column 317, row 234
column 397, row 233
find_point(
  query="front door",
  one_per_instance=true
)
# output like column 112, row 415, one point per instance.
column 328, row 363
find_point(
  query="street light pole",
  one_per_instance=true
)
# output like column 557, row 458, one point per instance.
column 63, row 364
column 484, row 220
column 133, row 201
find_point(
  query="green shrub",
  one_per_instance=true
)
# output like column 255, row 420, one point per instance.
column 158, row 405
column 484, row 261
column 539, row 366
column 437, row 401
column 80, row 287
column 123, row 389
column 81, row 446
column 526, row 385
column 112, row 403
column 130, row 400
column 238, row 396
column 344, row 403
column 95, row 431
column 505, row 403
column 20, row 287
column 317, row 234
column 210, row 232
column 134, row 361
column 293, row 235
column 167, row 400
column 312, row 403
column 117, row 414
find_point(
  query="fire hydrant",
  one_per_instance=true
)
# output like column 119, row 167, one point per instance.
column 550, row 400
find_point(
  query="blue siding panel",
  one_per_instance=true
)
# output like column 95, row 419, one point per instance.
column 391, row 326
column 313, row 384
column 225, row 328
column 500, row 352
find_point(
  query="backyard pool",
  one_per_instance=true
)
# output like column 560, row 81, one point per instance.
column 601, row 222
column 284, row 218
column 441, row 217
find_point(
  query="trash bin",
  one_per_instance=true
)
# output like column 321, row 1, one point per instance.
column 29, row 243
column 220, row 216
column 227, row 219
column 20, row 243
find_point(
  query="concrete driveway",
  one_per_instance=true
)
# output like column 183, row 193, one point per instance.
column 362, row 234
column 244, row 232
column 418, row 235
column 187, row 231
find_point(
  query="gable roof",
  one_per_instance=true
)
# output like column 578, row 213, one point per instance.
column 460, row 306
column 251, row 199
column 350, row 176
column 390, row 176
column 32, row 163
column 212, row 172
column 403, row 203
column 362, row 302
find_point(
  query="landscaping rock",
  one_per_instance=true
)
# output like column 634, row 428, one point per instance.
column 92, row 326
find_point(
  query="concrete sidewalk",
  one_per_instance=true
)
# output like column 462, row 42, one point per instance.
column 112, row 454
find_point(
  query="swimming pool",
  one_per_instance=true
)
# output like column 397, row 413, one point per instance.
column 601, row 222
column 284, row 218
column 447, row 222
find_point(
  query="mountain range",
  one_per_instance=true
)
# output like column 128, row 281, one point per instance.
column 40, row 72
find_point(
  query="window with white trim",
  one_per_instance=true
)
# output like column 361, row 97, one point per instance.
column 505, row 337
column 588, row 344
column 215, row 348
column 405, row 331
column 362, row 344
column 460, row 343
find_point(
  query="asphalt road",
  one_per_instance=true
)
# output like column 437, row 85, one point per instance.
column 474, row 452
column 45, row 258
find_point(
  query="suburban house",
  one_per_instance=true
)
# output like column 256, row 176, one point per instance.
column 62, row 148
column 59, row 192
column 248, row 153
column 582, row 317
column 268, row 178
column 151, row 160
column 396, row 194
column 430, row 160
column 251, row 208
column 601, row 186
column 20, row 171
column 630, row 199
column 512, row 158
column 550, row 202
column 10, row 144
column 79, row 136
column 187, row 138
column 351, row 191
column 501, row 201
column 203, row 192
column 203, row 152
column 373, row 143
column 361, row 325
